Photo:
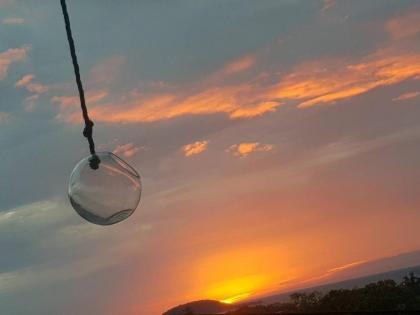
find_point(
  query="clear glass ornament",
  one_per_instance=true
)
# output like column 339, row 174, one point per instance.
column 104, row 193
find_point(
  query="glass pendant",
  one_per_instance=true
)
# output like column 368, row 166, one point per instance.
column 104, row 189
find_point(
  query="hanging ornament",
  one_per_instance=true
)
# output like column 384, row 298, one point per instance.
column 106, row 195
column 103, row 188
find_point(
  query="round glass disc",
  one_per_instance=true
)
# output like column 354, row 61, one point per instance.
column 107, row 193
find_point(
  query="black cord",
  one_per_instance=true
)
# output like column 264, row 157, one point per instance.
column 88, row 130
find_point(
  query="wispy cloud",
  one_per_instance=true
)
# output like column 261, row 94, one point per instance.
column 27, row 82
column 246, row 148
column 70, row 105
column 239, row 65
column 13, row 21
column 327, row 4
column 404, row 26
column 331, row 80
column 346, row 266
column 406, row 96
column 30, row 102
column 11, row 56
column 317, row 82
column 4, row 116
column 106, row 71
column 195, row 148
column 127, row 150
column 312, row 82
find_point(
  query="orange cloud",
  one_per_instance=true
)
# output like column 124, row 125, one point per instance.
column 404, row 26
column 346, row 266
column 128, row 150
column 324, row 81
column 406, row 96
column 11, row 56
column 227, row 99
column 239, row 65
column 69, row 105
column 315, row 82
column 244, row 149
column 195, row 148
column 257, row 110
column 328, row 81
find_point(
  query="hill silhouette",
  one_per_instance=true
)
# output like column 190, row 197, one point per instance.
column 382, row 296
column 385, row 295
column 199, row 307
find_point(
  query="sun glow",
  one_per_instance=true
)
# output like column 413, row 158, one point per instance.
column 236, row 298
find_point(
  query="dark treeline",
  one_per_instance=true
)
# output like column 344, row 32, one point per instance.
column 386, row 295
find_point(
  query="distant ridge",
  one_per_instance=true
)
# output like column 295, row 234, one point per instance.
column 200, row 307
column 396, row 275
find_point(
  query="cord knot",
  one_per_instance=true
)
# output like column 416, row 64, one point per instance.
column 87, row 131
column 94, row 162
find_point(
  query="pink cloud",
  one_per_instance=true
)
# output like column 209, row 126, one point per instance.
column 24, row 80
column 11, row 56
column 404, row 26
column 70, row 105
column 128, row 150
column 106, row 71
column 239, row 65
column 30, row 102
column 406, row 96
column 27, row 82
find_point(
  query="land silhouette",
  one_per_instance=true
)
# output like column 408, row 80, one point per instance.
column 381, row 296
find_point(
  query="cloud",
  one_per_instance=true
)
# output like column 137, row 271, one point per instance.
column 6, row 2
column 331, row 80
column 44, row 261
column 404, row 26
column 246, row 148
column 30, row 102
column 24, row 80
column 4, row 116
column 13, row 21
column 128, row 150
column 254, row 111
column 27, row 82
column 406, row 96
column 11, row 56
column 327, row 4
column 347, row 148
column 106, row 71
column 241, row 101
column 195, row 148
column 70, row 105
column 320, row 81
column 239, row 65
column 346, row 266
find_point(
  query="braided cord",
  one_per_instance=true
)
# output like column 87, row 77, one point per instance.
column 88, row 130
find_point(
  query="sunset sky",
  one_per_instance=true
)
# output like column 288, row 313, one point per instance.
column 278, row 144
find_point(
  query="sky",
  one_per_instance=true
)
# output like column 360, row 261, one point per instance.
column 278, row 144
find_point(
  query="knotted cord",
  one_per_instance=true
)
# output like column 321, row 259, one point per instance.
column 88, row 130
